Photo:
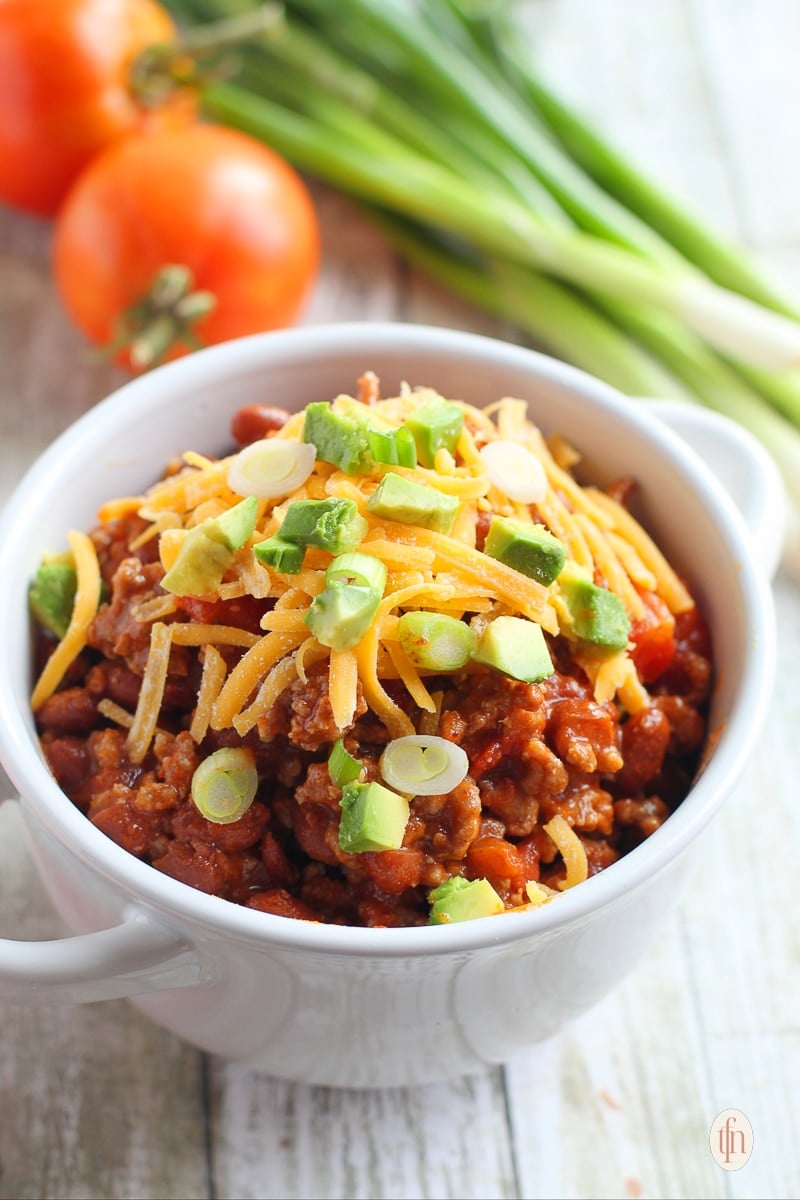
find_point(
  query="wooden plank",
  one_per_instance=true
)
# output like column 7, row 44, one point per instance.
column 624, row 1092
column 361, row 277
column 273, row 1139
column 699, row 1026
column 742, row 942
column 749, row 56
column 46, row 377
column 95, row 1101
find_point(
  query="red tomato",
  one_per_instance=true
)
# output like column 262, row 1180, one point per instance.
column 65, row 90
column 653, row 637
column 207, row 198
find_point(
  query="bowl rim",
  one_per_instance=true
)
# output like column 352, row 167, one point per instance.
column 177, row 903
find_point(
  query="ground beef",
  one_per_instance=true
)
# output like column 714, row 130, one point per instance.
column 444, row 827
column 115, row 631
column 304, row 714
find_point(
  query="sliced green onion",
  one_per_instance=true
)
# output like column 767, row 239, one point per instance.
column 514, row 470
column 423, row 765
column 435, row 641
column 395, row 447
column 271, row 467
column 225, row 784
column 342, row 767
column 359, row 568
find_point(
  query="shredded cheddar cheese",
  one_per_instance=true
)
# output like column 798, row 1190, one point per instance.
column 87, row 598
column 151, row 693
column 115, row 712
column 668, row 585
column 571, row 849
column 248, row 674
column 343, row 686
column 214, row 671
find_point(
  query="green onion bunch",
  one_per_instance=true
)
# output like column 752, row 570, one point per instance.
column 434, row 115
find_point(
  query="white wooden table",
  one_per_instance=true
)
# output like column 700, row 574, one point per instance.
column 95, row 1102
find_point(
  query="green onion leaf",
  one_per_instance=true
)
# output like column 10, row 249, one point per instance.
column 512, row 468
column 435, row 641
column 423, row 765
column 395, row 447
column 342, row 767
column 225, row 784
column 271, row 467
column 363, row 569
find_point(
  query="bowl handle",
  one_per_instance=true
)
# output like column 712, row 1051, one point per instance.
column 745, row 469
column 133, row 957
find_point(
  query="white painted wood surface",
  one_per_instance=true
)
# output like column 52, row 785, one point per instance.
column 96, row 1102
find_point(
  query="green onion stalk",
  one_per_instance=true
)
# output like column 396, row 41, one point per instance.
column 433, row 114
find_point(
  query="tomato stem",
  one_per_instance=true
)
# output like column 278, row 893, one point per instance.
column 163, row 318
column 197, row 57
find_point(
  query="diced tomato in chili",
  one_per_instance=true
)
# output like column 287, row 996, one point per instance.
column 506, row 866
column 245, row 612
column 653, row 637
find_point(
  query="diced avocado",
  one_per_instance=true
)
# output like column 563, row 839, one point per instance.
column 396, row 447
column 52, row 593
column 460, row 899
column 237, row 524
column 334, row 525
column 598, row 615
column 516, row 647
column 208, row 550
column 341, row 614
column 373, row 818
column 340, row 438
column 398, row 499
column 283, row 556
column 531, row 549
column 202, row 561
column 435, row 426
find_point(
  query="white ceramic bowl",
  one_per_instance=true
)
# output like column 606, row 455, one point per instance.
column 367, row 1007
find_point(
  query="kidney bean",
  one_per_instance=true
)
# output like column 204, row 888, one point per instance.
column 67, row 758
column 255, row 421
column 71, row 711
column 281, row 903
column 645, row 736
